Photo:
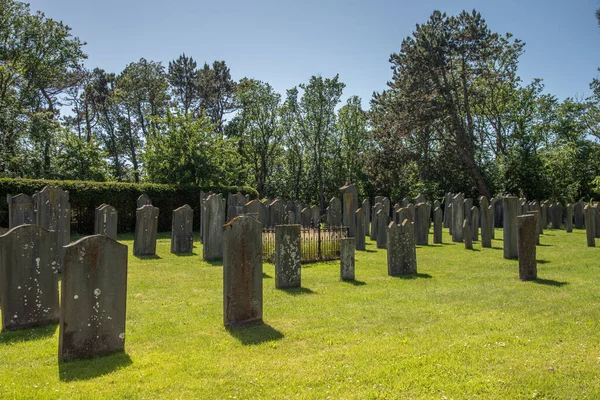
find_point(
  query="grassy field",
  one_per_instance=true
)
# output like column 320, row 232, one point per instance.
column 464, row 327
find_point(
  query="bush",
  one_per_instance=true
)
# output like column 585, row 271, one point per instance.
column 85, row 196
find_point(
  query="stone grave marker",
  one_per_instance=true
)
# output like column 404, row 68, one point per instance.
column 20, row 210
column 590, row 226
column 214, row 219
column 106, row 220
column 382, row 223
column 287, row 256
column 510, row 206
column 527, row 251
column 402, row 252
column 53, row 212
column 421, row 224
column 347, row 259
column 475, row 223
column 438, row 224
column 360, row 230
column 486, row 222
column 182, row 236
column 458, row 217
column 467, row 232
column 143, row 200
column 350, row 204
column 146, row 226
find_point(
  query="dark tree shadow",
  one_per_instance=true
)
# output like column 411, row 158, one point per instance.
column 255, row 334
column 542, row 261
column 354, row 282
column 26, row 335
column 549, row 282
column 413, row 276
column 83, row 369
column 150, row 257
column 265, row 275
column 216, row 263
column 297, row 291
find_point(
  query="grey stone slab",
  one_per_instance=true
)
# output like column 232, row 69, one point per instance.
column 242, row 272
column 447, row 211
column 401, row 249
column 287, row 256
column 458, row 217
column 366, row 206
column 20, row 210
column 438, row 224
column 93, row 298
column 590, row 226
column 360, row 230
column 382, row 223
column 143, row 200
column 569, row 218
column 53, row 212
column 421, row 224
column 468, row 234
column 486, row 223
column 315, row 216
column 182, row 230
column 335, row 212
column 28, row 277
column 214, row 219
column 146, row 226
column 306, row 217
column 597, row 219
column 258, row 210
column 475, row 223
column 536, row 215
column 347, row 258
column 510, row 205
column 106, row 221
column 350, row 205
column 527, row 250
column 578, row 213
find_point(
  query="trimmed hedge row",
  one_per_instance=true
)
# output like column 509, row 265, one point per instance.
column 85, row 196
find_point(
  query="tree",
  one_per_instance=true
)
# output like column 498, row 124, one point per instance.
column 215, row 93
column 353, row 136
column 183, row 79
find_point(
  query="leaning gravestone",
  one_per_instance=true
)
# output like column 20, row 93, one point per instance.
column 214, row 219
column 467, row 232
column 475, row 223
column 146, row 226
column 569, row 218
column 510, row 206
column 527, row 252
column 143, row 200
column 106, row 220
column 438, row 224
column 458, row 217
column 578, row 212
column 287, row 256
column 182, row 237
column 382, row 223
column 53, row 212
column 242, row 272
column 421, row 224
column 350, row 204
column 93, row 298
column 402, row 252
column 347, row 259
column 20, row 210
column 590, row 226
column 366, row 206
column 487, row 223
column 28, row 277
column 360, row 230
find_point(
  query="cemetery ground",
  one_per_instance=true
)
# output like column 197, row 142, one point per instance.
column 463, row 327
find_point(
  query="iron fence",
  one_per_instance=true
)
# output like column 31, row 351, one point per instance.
column 317, row 243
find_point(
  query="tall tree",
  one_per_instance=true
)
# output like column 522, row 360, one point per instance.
column 216, row 92
column 183, row 79
column 352, row 131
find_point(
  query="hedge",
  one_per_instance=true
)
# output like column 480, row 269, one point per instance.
column 85, row 196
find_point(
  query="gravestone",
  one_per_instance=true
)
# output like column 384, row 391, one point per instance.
column 535, row 206
column 143, row 200
column 182, row 237
column 590, row 226
column 402, row 252
column 287, row 256
column 475, row 223
column 306, row 217
column 578, row 212
column 214, row 219
column 468, row 205
column 28, row 277
column 20, row 210
column 258, row 210
column 420, row 199
column 242, row 272
column 492, row 215
column 510, row 206
column 382, row 223
column 350, row 204
column 315, row 216
column 360, row 230
column 106, row 219
column 421, row 225
column 146, row 226
column 53, row 212
column 203, row 197
column 536, row 215
column 276, row 213
column 366, row 206
column 458, row 217
column 410, row 210
column 93, row 298
column 596, row 208
column 498, row 213
column 450, row 219
column 447, row 212
column 468, row 234
column 437, row 225
column 236, row 206
column 405, row 202
column 291, row 218
column 527, row 251
column 544, row 214
column 486, row 222
column 569, row 218
column 556, row 216
column 374, row 227
column 347, row 259
column 335, row 212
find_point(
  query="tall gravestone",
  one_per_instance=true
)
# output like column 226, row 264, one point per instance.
column 458, row 217
column 486, row 233
column 28, row 277
column 182, row 236
column 146, row 227
column 556, row 216
column 360, row 230
column 214, row 219
column 493, row 210
column 475, row 223
column 335, row 212
column 420, row 199
column 468, row 234
column 510, row 206
column 242, row 272
column 578, row 212
column 203, row 197
column 143, row 200
column 236, row 206
column 536, row 216
column 287, row 256
column 569, row 218
column 306, row 217
column 596, row 208
column 347, row 258
column 93, row 298
column 527, row 252
column 366, row 206
column 402, row 252
column 590, row 226
column 382, row 223
column 374, row 227
column 468, row 205
column 106, row 220
column 20, row 210
column 291, row 218
column 350, row 204
column 437, row 225
column 421, row 224
column 315, row 216
column 53, row 212
column 447, row 211
column 544, row 214
column 276, row 213
column 410, row 210
column 258, row 210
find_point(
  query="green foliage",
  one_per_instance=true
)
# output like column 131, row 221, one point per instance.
column 85, row 196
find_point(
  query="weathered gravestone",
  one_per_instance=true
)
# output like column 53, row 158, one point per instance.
column 53, row 212
column 468, row 234
column 578, row 212
column 315, row 216
column 93, row 298
column 421, row 224
column 405, row 202
column 510, row 206
column 291, row 218
column 182, row 236
column 347, row 259
column 214, row 219
column 360, row 229
column 401, row 215
column 242, row 272
column 366, row 206
column 447, row 212
column 590, row 226
column 382, row 223
column 569, row 218
column 106, row 219
column 458, row 217
column 203, row 197
column 420, row 199
column 335, row 212
column 350, row 204
column 258, row 210
column 20, row 210
column 305, row 217
column 596, row 208
column 28, row 277
column 527, row 251
column 536, row 215
column 410, row 209
column 487, row 223
column 287, row 256
column 276, row 213
column 236, row 206
column 498, row 213
column 544, row 214
column 143, row 200
column 475, row 223
column 468, row 205
column 437, row 225
column 374, row 227
column 146, row 226
column 556, row 215
column 402, row 252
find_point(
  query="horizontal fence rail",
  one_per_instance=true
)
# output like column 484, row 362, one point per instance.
column 317, row 243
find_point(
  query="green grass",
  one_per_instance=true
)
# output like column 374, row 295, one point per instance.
column 465, row 327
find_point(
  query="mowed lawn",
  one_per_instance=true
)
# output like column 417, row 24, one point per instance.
column 464, row 327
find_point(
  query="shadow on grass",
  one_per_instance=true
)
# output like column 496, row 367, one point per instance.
column 549, row 282
column 150, row 257
column 25, row 335
column 83, row 369
column 216, row 263
column 265, row 275
column 185, row 254
column 473, row 249
column 544, row 245
column 255, row 334
column 354, row 282
column 542, row 261
column 413, row 276
column 369, row 251
column 297, row 291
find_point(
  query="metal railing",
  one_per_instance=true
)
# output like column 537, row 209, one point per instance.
column 317, row 244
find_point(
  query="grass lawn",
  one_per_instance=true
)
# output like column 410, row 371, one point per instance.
column 464, row 327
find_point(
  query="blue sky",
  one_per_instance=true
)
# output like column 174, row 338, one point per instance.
column 285, row 42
